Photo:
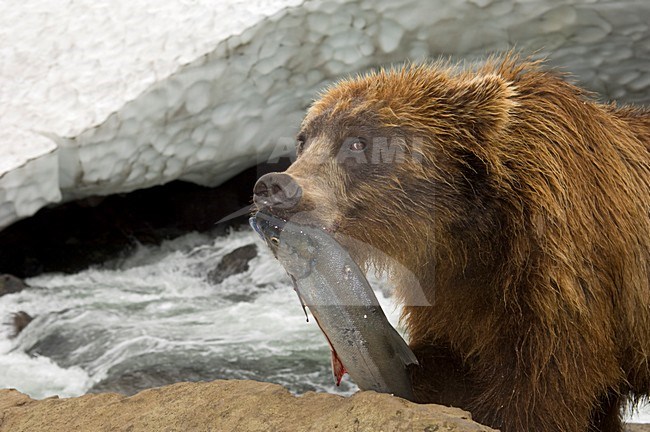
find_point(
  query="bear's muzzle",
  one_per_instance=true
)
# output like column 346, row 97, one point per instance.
column 276, row 191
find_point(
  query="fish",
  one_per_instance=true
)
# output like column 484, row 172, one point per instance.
column 331, row 285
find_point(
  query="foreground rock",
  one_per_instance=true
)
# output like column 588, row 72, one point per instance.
column 225, row 406
column 230, row 405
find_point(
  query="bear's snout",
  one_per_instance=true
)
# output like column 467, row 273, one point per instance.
column 276, row 191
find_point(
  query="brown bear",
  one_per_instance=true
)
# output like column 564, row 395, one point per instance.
column 522, row 208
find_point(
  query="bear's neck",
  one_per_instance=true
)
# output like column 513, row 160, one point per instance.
column 476, row 279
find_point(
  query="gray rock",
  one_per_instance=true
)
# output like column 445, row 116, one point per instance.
column 11, row 284
column 19, row 321
column 233, row 263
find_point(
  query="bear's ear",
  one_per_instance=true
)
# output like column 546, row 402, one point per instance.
column 483, row 104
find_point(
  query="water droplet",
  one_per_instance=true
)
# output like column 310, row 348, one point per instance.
column 365, row 316
column 347, row 272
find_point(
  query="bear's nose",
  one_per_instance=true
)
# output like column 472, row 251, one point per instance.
column 276, row 190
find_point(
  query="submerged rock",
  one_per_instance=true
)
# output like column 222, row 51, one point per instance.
column 228, row 406
column 19, row 321
column 233, row 263
column 11, row 284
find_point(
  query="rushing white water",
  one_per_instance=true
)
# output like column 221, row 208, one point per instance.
column 154, row 318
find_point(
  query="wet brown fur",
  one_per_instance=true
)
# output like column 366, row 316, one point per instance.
column 522, row 208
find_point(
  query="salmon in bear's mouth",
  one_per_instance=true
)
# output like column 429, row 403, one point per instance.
column 333, row 287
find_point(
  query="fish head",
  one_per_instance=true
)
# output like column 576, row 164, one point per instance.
column 291, row 243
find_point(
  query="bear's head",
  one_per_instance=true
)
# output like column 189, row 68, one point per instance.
column 397, row 160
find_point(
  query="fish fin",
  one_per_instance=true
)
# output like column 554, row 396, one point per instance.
column 403, row 350
column 338, row 370
column 302, row 303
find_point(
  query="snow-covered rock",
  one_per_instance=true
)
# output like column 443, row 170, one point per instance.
column 103, row 97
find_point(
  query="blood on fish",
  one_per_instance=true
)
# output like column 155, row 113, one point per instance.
column 337, row 368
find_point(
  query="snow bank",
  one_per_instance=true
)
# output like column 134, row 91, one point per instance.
column 103, row 97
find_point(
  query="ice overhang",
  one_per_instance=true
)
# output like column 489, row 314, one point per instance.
column 99, row 98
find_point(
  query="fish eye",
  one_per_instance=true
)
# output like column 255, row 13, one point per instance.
column 275, row 241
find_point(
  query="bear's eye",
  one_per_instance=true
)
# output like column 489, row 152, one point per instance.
column 357, row 144
column 300, row 143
